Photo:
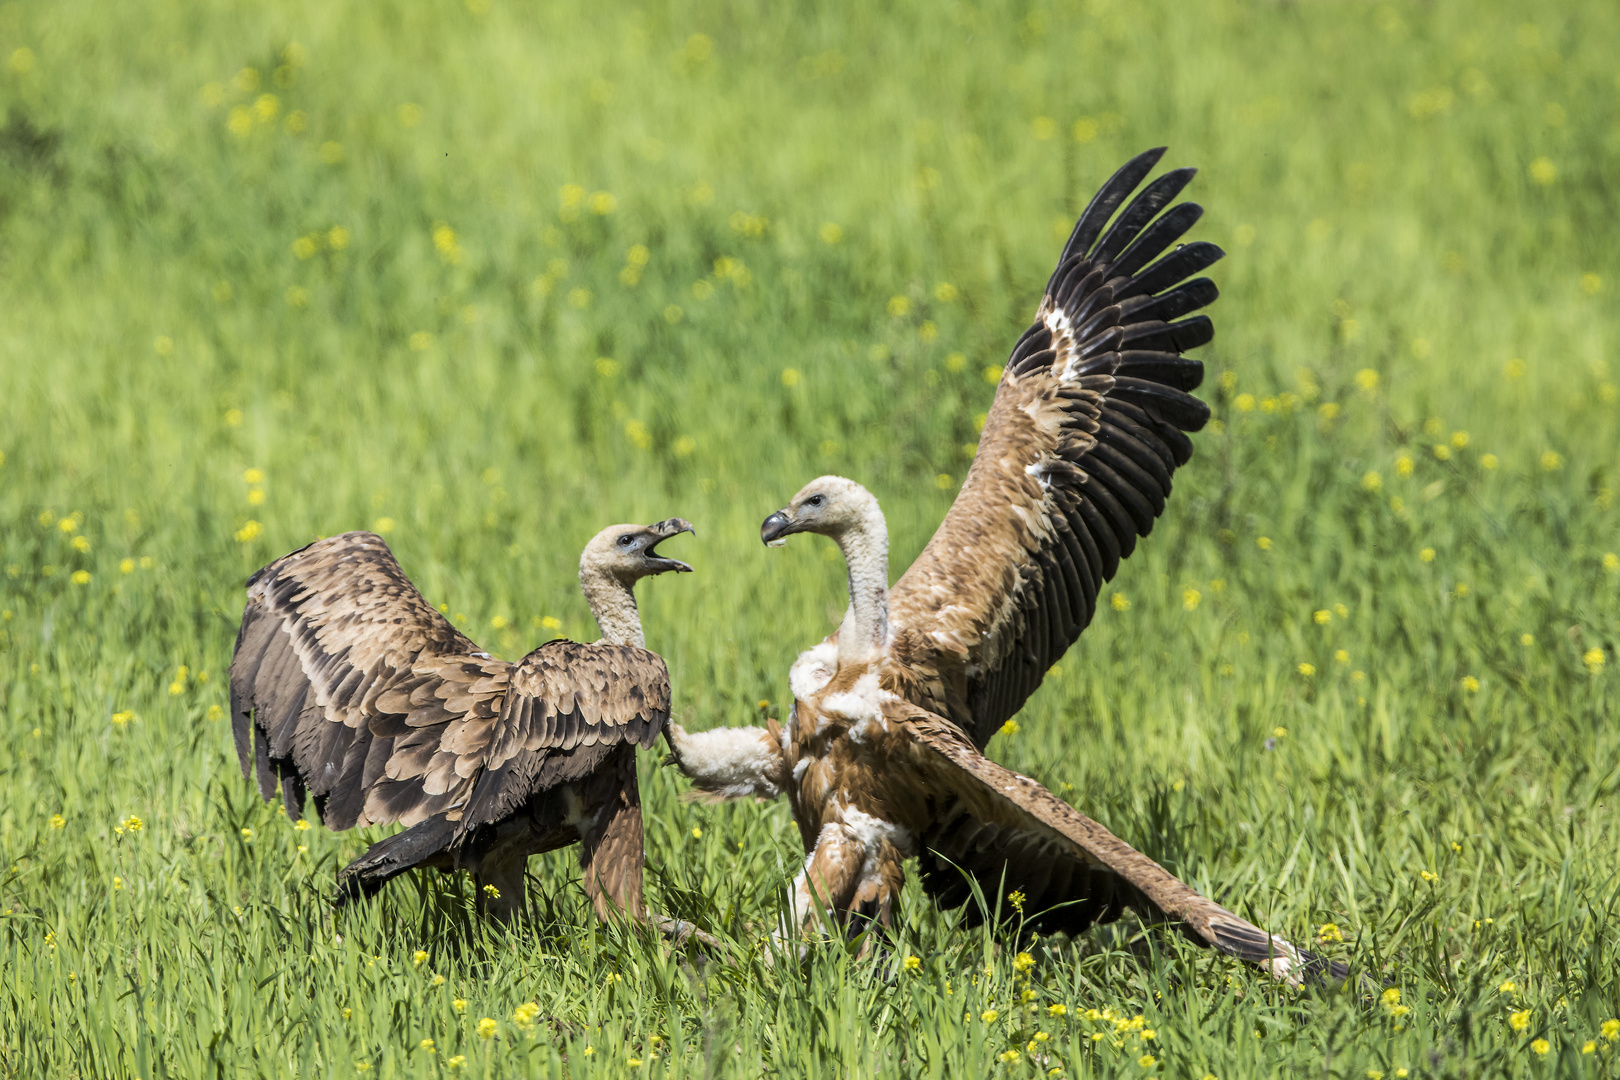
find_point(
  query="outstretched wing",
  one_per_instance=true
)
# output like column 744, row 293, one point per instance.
column 570, row 707
column 1008, row 833
column 1076, row 455
column 347, row 683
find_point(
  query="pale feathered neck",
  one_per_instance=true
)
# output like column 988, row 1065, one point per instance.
column 865, row 544
column 614, row 606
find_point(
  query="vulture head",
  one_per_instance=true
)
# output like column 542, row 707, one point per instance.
column 829, row 505
column 629, row 553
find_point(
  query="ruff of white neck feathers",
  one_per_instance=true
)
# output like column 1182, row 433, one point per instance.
column 865, row 545
column 614, row 606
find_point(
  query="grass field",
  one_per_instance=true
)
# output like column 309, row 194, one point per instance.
column 487, row 278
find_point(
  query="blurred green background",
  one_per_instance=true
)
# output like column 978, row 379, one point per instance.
column 487, row 276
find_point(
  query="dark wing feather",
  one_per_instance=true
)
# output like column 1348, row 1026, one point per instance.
column 1009, row 834
column 570, row 707
column 347, row 683
column 1076, row 457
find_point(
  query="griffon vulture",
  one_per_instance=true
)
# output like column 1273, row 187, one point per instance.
column 881, row 757
column 347, row 684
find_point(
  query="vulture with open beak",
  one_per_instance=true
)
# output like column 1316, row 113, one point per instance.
column 882, row 756
column 347, row 685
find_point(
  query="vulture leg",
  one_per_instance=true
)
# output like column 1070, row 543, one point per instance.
column 877, row 892
column 610, row 849
column 830, row 877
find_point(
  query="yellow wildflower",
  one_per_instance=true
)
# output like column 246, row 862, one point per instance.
column 1010, row 728
column 419, row 957
column 913, row 963
column 1147, row 1061
column 898, row 306
column 1552, row 460
column 247, row 835
column 1520, row 1020
column 1540, row 1047
column 989, row 1016
column 1009, row 1055
column 487, row 1028
column 461, row 1059
column 1023, row 961
column 1119, row 602
column 1371, row 481
column 248, row 532
column 1244, row 402
column 459, row 1004
column 1367, row 379
column 1589, row 1046
column 57, row 821
column 1323, row 617
column 1427, row 554
column 426, row 1044
column 126, row 566
column 1190, row 599
column 492, row 892
column 1307, row 670
column 1429, row 875
column 1057, row 1010
column 1404, row 465
column 1610, row 1030
column 1594, row 660
column 1488, row 461
column 1016, row 899
column 1342, row 656
column 1264, row 543
column 1329, row 934
column 524, row 1014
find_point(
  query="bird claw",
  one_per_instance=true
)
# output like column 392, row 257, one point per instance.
column 680, row 933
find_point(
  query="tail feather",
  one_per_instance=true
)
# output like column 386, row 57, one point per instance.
column 387, row 859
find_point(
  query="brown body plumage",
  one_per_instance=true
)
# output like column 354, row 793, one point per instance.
column 881, row 758
column 348, row 686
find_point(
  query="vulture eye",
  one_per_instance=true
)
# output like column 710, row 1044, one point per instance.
column 814, row 500
column 626, row 540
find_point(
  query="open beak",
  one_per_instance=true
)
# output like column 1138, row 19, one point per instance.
column 664, row 530
column 776, row 528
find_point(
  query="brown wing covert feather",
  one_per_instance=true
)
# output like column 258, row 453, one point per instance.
column 346, row 683
column 1077, row 453
column 570, row 707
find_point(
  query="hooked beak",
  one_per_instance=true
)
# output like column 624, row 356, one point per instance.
column 664, row 530
column 776, row 528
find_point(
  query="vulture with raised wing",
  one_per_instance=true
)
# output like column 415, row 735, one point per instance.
column 882, row 756
column 347, row 685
